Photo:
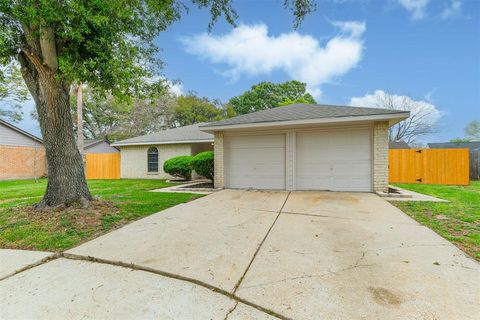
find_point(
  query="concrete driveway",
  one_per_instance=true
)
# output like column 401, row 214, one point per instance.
column 254, row 255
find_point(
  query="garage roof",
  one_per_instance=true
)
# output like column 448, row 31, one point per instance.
column 187, row 134
column 303, row 112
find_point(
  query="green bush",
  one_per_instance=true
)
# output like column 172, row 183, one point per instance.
column 180, row 167
column 202, row 163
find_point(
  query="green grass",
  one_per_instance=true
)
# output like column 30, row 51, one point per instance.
column 458, row 220
column 125, row 200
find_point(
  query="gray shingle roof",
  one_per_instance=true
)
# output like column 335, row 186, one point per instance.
column 302, row 112
column 182, row 134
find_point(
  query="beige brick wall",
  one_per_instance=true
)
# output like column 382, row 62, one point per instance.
column 133, row 164
column 22, row 162
column 380, row 156
column 219, row 180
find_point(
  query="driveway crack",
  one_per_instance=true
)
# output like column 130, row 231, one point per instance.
column 230, row 311
column 237, row 285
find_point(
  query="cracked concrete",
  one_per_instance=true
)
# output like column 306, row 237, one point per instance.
column 14, row 261
column 237, row 255
column 350, row 269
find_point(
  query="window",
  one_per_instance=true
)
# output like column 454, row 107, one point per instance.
column 152, row 162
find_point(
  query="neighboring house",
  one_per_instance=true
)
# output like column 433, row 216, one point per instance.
column 473, row 146
column 98, row 146
column 398, row 145
column 143, row 157
column 304, row 147
column 22, row 155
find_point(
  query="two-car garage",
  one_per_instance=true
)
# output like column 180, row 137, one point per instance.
column 304, row 147
column 338, row 160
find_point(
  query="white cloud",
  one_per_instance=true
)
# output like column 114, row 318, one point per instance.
column 249, row 49
column 416, row 7
column 378, row 98
column 452, row 10
column 176, row 88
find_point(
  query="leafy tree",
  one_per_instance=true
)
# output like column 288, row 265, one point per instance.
column 472, row 130
column 104, row 116
column 190, row 109
column 104, row 44
column 12, row 93
column 266, row 95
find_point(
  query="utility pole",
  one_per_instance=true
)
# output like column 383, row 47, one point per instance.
column 80, row 143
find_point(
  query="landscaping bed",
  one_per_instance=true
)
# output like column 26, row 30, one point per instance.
column 457, row 220
column 120, row 202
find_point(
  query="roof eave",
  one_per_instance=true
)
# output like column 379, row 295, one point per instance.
column 392, row 119
column 25, row 133
column 144, row 143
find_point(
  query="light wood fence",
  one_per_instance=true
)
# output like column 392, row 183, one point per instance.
column 103, row 165
column 434, row 166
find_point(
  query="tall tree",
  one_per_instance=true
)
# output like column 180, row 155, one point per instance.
column 105, row 44
column 472, row 130
column 420, row 123
column 190, row 109
column 266, row 95
column 12, row 93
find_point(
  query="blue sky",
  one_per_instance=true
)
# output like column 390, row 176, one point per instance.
column 427, row 50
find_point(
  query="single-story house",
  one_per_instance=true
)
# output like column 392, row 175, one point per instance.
column 143, row 157
column 22, row 155
column 98, row 146
column 398, row 145
column 304, row 147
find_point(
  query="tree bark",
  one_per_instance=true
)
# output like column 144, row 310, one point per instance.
column 66, row 176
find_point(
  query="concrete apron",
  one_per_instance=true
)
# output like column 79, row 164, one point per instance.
column 327, row 255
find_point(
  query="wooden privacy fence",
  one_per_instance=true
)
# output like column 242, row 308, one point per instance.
column 103, row 165
column 435, row 166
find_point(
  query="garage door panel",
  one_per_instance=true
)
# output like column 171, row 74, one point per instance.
column 338, row 160
column 255, row 161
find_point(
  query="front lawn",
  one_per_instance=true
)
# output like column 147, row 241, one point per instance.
column 121, row 201
column 457, row 221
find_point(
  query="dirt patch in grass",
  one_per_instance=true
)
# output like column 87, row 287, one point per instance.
column 74, row 222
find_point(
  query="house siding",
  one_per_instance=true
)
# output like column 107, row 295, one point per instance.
column 380, row 156
column 134, row 160
column 10, row 137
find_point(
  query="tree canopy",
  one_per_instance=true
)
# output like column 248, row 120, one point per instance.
column 12, row 93
column 266, row 95
column 105, row 44
column 472, row 130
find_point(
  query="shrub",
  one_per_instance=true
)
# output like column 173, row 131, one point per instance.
column 202, row 163
column 179, row 167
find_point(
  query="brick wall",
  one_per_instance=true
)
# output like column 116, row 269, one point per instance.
column 22, row 162
column 219, row 181
column 380, row 156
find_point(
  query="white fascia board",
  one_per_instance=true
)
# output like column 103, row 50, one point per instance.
column 392, row 118
column 120, row 144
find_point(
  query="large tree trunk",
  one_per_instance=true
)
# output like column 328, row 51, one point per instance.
column 66, row 176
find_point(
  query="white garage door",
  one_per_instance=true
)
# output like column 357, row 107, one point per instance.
column 334, row 160
column 255, row 161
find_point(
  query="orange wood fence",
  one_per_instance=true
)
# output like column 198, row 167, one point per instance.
column 103, row 165
column 435, row 166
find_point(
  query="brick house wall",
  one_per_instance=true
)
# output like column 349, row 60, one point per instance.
column 19, row 162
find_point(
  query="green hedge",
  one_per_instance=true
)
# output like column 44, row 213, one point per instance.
column 180, row 167
column 202, row 163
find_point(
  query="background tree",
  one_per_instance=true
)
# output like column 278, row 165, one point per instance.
column 266, row 95
column 190, row 109
column 103, row 44
column 12, row 93
column 420, row 123
column 472, row 130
